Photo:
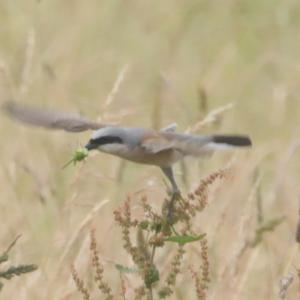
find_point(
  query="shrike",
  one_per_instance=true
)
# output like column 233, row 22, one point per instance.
column 161, row 148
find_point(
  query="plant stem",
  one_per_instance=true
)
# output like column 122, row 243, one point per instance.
column 152, row 254
column 150, row 295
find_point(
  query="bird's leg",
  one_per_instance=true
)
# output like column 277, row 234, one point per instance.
column 175, row 191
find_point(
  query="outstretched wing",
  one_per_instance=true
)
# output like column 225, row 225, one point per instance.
column 48, row 118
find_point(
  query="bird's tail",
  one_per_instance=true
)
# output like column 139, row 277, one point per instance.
column 191, row 144
column 222, row 142
column 231, row 140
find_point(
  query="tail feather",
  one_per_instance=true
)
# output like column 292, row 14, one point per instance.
column 232, row 140
column 193, row 144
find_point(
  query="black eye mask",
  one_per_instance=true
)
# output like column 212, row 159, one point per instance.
column 94, row 143
column 107, row 140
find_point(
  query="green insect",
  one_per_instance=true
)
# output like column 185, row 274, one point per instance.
column 79, row 155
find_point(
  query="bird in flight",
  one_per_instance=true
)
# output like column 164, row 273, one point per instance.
column 161, row 148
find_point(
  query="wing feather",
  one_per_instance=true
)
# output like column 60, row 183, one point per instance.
column 155, row 143
column 49, row 119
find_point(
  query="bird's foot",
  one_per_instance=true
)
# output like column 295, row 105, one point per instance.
column 171, row 205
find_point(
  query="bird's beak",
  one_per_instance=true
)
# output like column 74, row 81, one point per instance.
column 90, row 146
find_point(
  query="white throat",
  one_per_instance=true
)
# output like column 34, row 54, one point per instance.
column 115, row 148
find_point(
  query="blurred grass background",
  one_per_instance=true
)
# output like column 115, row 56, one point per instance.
column 181, row 60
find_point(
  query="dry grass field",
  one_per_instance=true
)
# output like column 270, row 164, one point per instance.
column 212, row 67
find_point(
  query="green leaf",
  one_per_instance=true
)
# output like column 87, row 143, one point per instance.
column 151, row 276
column 124, row 269
column 184, row 239
column 3, row 258
column 17, row 271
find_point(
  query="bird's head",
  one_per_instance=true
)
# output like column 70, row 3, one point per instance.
column 109, row 139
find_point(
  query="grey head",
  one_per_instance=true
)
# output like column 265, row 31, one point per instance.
column 105, row 136
column 114, row 139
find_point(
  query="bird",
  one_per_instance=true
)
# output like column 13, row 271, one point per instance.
column 162, row 148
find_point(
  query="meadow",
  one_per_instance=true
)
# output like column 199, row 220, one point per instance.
column 211, row 67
